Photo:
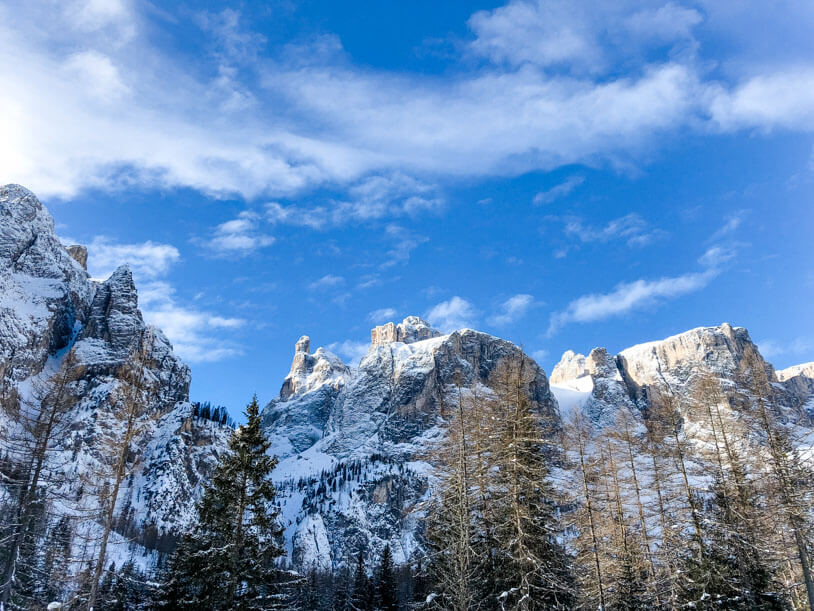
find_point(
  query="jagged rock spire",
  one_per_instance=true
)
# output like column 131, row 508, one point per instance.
column 303, row 345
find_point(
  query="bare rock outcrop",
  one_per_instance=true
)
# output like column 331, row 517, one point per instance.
column 411, row 329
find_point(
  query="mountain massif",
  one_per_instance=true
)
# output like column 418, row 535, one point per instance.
column 356, row 443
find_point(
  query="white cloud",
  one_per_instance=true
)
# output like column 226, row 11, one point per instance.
column 147, row 260
column 629, row 296
column 97, row 74
column 667, row 22
column 404, row 243
column 239, row 123
column 580, row 37
column 382, row 315
column 716, row 257
column 543, row 33
column 239, row 236
column 783, row 99
column 373, row 198
column 327, row 281
column 353, row 352
column 732, row 223
column 558, row 191
column 512, row 309
column 771, row 348
column 539, row 355
column 631, row 228
column 453, row 314
column 189, row 330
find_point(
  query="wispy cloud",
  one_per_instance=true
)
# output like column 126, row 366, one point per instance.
column 798, row 346
column 630, row 296
column 512, row 309
column 326, row 282
column 540, row 355
column 238, row 237
column 383, row 196
column 353, row 352
column 147, row 260
column 131, row 112
column 732, row 223
column 631, row 228
column 382, row 315
column 192, row 331
column 558, row 191
column 453, row 314
column 404, row 243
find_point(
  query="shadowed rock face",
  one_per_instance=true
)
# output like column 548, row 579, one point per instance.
column 79, row 254
column 48, row 304
column 383, row 416
column 44, row 293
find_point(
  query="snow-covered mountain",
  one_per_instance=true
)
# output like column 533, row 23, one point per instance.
column 48, row 306
column 354, row 441
column 600, row 383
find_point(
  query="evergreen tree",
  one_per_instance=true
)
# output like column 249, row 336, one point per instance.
column 362, row 597
column 227, row 560
column 386, row 588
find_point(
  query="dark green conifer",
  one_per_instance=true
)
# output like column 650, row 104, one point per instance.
column 227, row 560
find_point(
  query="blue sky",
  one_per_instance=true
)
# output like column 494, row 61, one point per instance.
column 562, row 174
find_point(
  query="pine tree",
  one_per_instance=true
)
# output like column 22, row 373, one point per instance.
column 227, row 560
column 129, row 408
column 790, row 479
column 362, row 597
column 386, row 597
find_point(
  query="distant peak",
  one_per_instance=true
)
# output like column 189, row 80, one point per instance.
column 411, row 329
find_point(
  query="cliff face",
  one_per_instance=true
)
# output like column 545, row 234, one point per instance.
column 354, row 440
column 672, row 365
column 48, row 306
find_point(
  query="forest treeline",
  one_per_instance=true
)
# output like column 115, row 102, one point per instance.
column 703, row 500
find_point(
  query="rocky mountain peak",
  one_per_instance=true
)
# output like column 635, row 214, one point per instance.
column 309, row 371
column 114, row 315
column 671, row 362
column 573, row 366
column 799, row 379
column 804, row 369
column 411, row 329
column 303, row 345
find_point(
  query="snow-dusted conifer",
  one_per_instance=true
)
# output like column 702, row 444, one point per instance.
column 227, row 560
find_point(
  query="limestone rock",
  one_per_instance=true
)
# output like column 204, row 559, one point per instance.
column 411, row 329
column 379, row 420
column 79, row 254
